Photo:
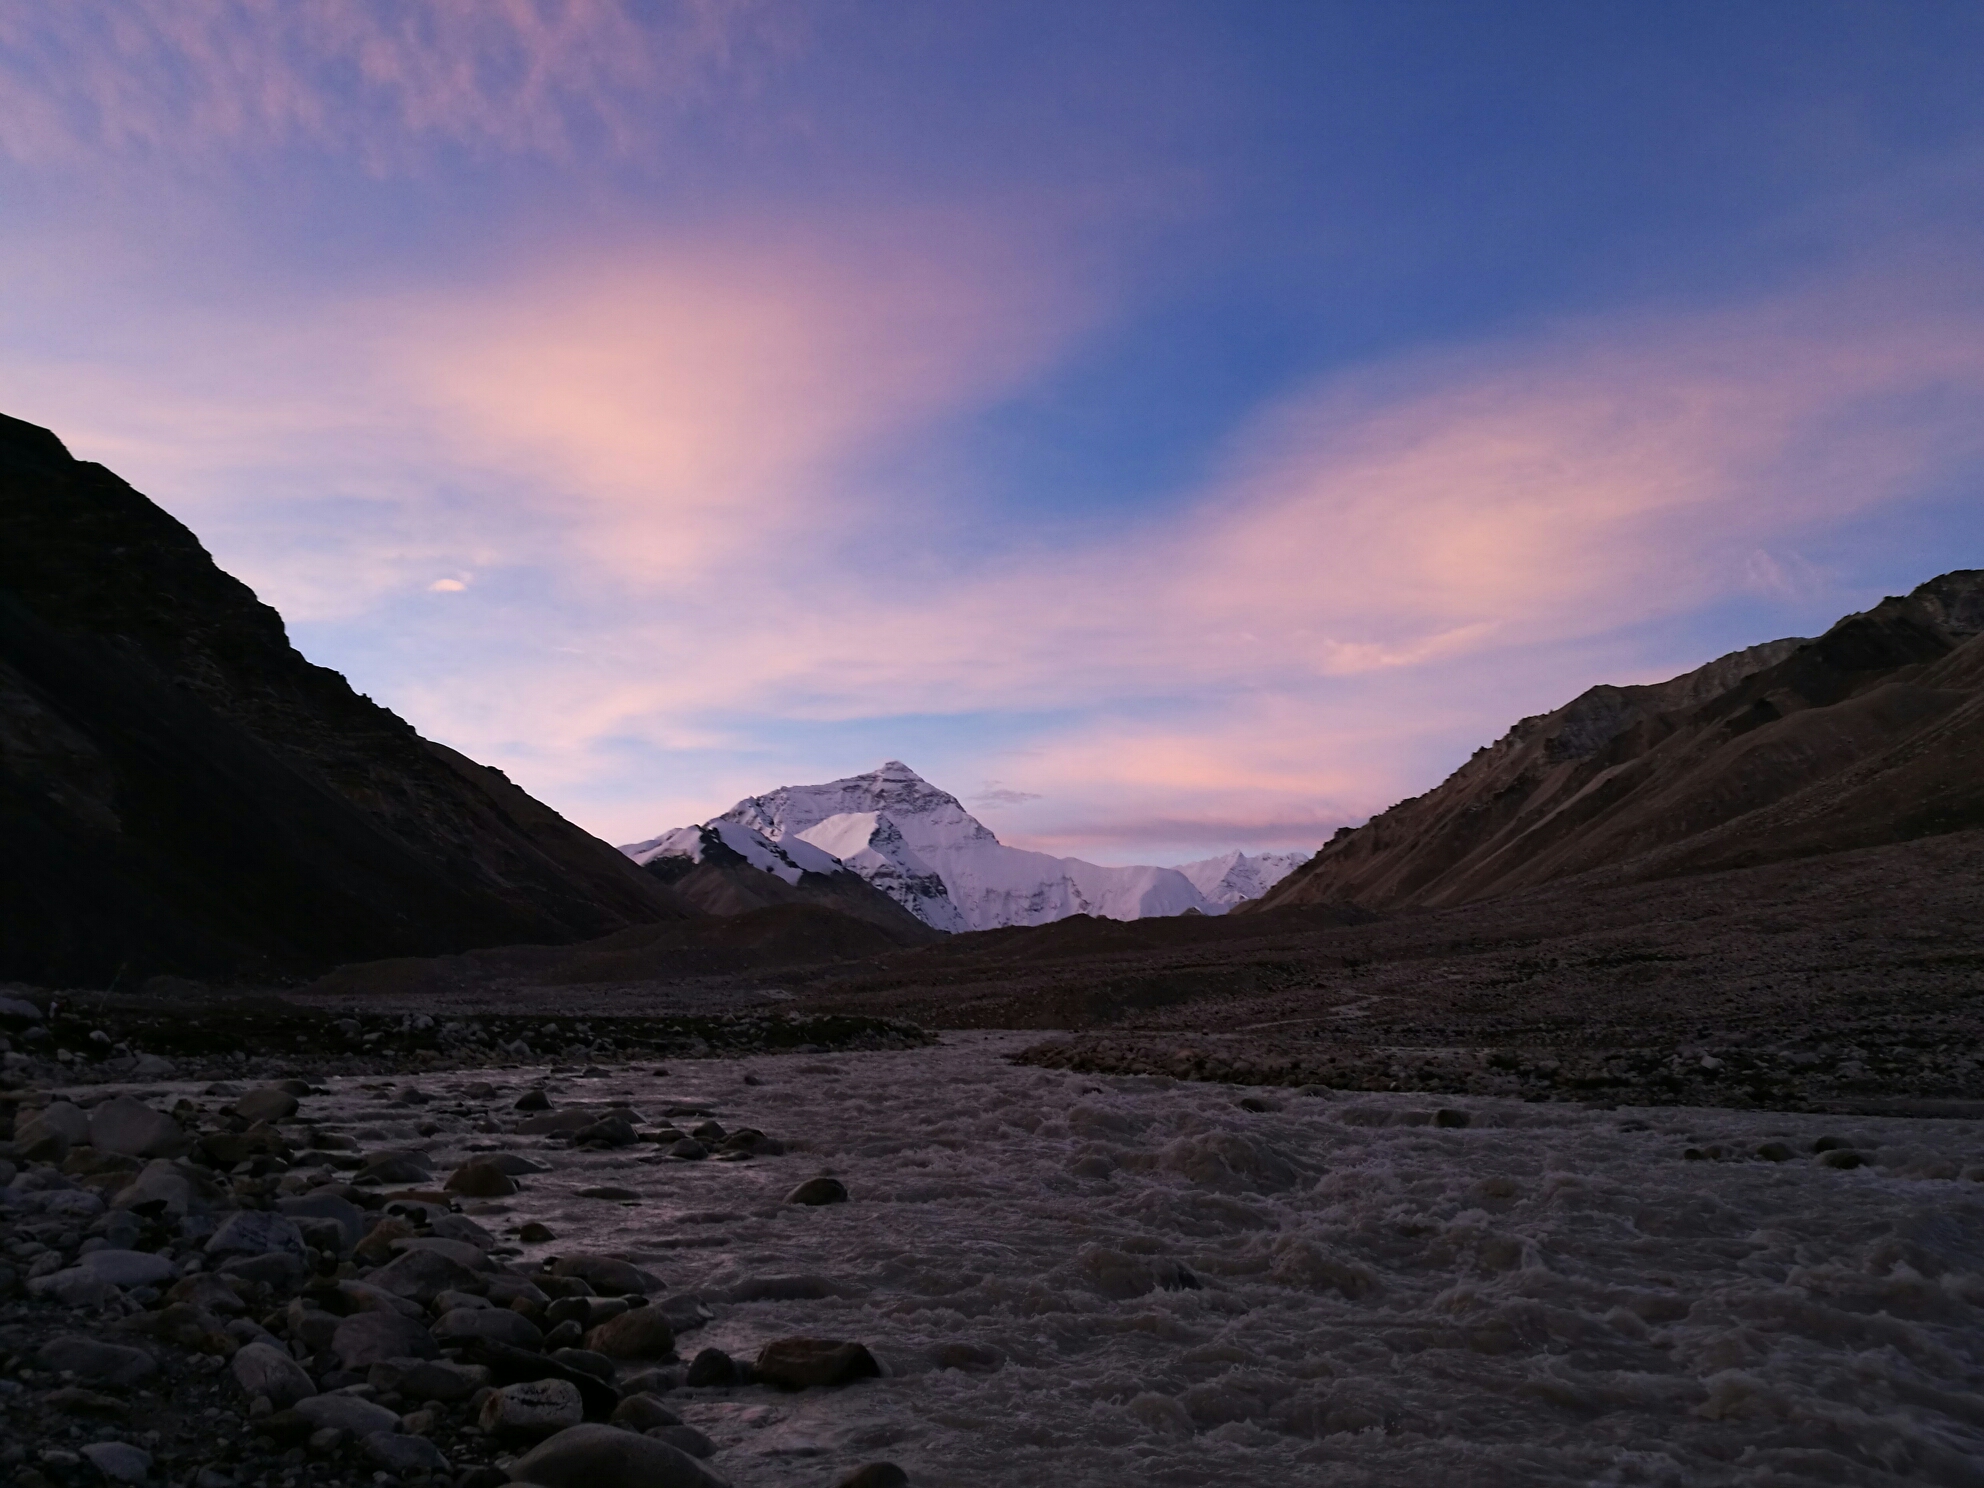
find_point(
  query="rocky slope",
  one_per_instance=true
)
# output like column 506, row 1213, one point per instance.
column 1870, row 734
column 181, row 791
column 728, row 869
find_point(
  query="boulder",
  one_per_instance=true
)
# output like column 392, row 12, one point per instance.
column 270, row 1103
column 610, row 1131
column 874, row 1475
column 607, row 1276
column 473, row 1257
column 129, row 1268
column 461, row 1227
column 596, row 1456
column 429, row 1379
column 819, row 1191
column 359, row 1296
column 479, row 1178
column 376, row 1247
column 46, row 1134
column 498, row 1323
column 367, row 1338
column 327, row 1205
column 394, row 1167
column 350, row 1414
column 277, row 1268
column 638, row 1333
column 127, row 1125
column 810, row 1363
column 531, row 1411
column 643, row 1413
column 250, row 1232
column 264, row 1369
column 158, row 1182
column 422, row 1275
column 713, row 1369
column 509, row 1365
column 684, row 1438
column 75, row 1287
column 401, row 1455
column 208, row 1293
column 94, row 1362
column 118, row 1461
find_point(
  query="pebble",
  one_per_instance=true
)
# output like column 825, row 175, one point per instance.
column 534, row 1233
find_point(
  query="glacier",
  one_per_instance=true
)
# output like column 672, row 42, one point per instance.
column 918, row 844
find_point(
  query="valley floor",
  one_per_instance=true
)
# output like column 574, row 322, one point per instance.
column 1149, row 1281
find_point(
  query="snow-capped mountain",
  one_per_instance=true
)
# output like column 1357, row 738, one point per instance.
column 918, row 845
column 1236, row 876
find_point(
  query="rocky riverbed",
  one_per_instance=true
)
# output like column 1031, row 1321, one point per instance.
column 934, row 1265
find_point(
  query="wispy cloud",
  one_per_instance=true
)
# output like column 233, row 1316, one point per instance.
column 379, row 79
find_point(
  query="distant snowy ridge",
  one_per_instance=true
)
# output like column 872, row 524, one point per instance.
column 918, row 845
column 1232, row 877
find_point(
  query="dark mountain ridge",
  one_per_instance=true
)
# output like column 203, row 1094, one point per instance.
column 181, row 791
column 1873, row 733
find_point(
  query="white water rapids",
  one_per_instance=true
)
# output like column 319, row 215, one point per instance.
column 1550, row 1295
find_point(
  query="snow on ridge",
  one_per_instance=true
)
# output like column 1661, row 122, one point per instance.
column 918, row 844
column 785, row 860
column 1233, row 877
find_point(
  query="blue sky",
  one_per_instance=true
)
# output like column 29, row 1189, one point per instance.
column 1179, row 427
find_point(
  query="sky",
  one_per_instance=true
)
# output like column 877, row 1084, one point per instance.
column 1168, row 427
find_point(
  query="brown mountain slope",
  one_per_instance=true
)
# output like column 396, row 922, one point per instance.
column 181, row 791
column 1872, row 733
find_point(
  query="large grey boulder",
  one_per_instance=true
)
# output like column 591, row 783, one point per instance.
column 95, row 1362
column 368, row 1338
column 461, row 1252
column 266, row 1104
column 401, row 1455
column 253, row 1232
column 128, row 1126
column 119, row 1462
column 129, row 1268
column 47, row 1133
column 498, row 1323
column 350, row 1218
column 638, row 1333
column 348, row 1413
column 75, row 1286
column 422, row 1275
column 532, row 1410
column 606, row 1275
column 264, row 1369
column 595, row 1456
column 159, row 1181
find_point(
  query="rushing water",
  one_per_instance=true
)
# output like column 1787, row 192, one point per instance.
column 1187, row 1292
